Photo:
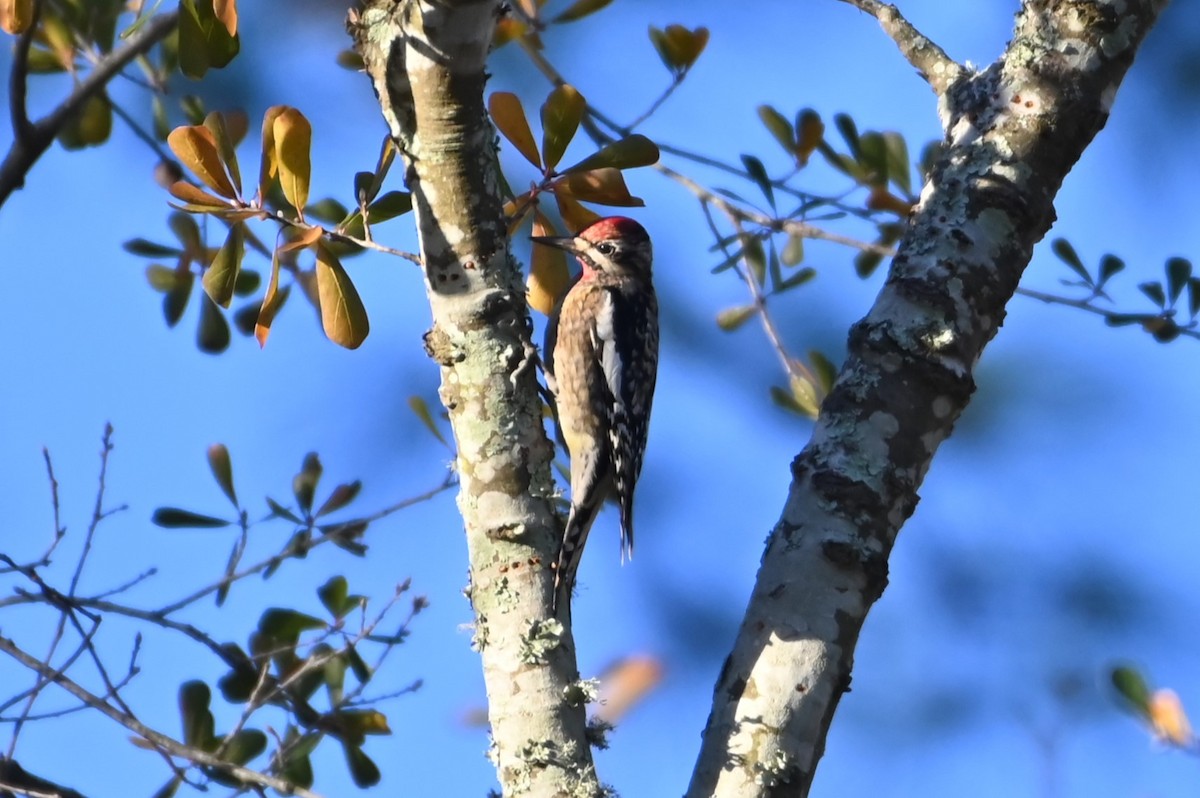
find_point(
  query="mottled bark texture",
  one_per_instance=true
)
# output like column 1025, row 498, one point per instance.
column 1013, row 131
column 426, row 60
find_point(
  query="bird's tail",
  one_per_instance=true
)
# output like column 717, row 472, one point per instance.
column 579, row 523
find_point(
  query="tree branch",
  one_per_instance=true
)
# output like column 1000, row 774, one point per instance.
column 159, row 740
column 426, row 60
column 939, row 69
column 907, row 378
column 31, row 140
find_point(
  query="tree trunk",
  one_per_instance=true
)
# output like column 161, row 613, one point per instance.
column 1013, row 131
column 426, row 60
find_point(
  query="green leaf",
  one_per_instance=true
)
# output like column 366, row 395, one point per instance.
column 678, row 47
column 1154, row 292
column 216, row 123
column 793, row 251
column 356, row 724
column 221, row 465
column 561, row 115
column 330, row 210
column 245, row 746
column 304, row 484
column 149, row 249
column 285, row 625
column 779, row 127
column 628, row 153
column 175, row 518
column 849, row 131
column 796, row 279
column 220, row 278
column 362, row 671
column 1066, row 253
column 161, row 278
column 212, row 336
column 580, row 9
column 280, row 511
column 176, row 299
column 872, row 154
column 1109, row 266
column 825, row 370
column 333, row 595
column 758, row 173
column 732, row 318
column 363, row 771
column 866, row 262
column 343, row 316
column 204, row 41
column 755, row 257
column 389, row 206
column 90, row 126
column 194, row 698
column 247, row 283
column 342, row 495
column 1131, row 686
column 899, row 169
column 1179, row 271
column 421, row 409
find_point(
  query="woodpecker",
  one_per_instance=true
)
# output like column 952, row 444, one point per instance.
column 601, row 360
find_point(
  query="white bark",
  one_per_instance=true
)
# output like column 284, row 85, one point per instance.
column 1013, row 131
column 427, row 63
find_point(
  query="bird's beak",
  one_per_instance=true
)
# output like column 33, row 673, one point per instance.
column 568, row 243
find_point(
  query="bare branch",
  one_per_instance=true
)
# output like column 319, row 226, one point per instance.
column 939, row 69
column 159, row 740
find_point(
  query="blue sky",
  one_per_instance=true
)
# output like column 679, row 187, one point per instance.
column 1055, row 533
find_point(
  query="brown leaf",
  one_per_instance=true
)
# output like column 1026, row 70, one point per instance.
column 226, row 12
column 342, row 313
column 195, row 196
column 196, row 147
column 509, row 118
column 293, row 142
column 15, row 15
column 548, row 275
column 605, row 186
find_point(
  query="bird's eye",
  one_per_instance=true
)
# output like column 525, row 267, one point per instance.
column 605, row 248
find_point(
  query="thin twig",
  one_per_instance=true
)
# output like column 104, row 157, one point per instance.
column 158, row 739
column 1087, row 306
column 275, row 560
column 927, row 57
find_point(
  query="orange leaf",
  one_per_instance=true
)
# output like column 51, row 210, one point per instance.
column 625, row 683
column 15, row 15
column 575, row 215
column 190, row 194
column 196, row 147
column 293, row 142
column 226, row 12
column 304, row 239
column 509, row 117
column 605, row 186
column 342, row 313
column 548, row 275
column 268, row 168
column 1169, row 720
column 272, row 300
